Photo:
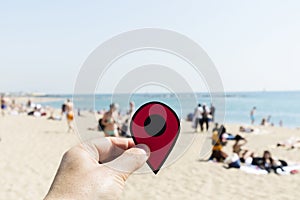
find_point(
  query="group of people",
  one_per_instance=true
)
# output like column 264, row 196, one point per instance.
column 239, row 155
column 9, row 106
column 265, row 121
column 202, row 116
column 113, row 124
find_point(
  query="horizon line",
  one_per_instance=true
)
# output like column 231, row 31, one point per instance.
column 156, row 92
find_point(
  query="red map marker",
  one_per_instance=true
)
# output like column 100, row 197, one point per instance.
column 156, row 125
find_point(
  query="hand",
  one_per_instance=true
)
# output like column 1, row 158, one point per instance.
column 82, row 173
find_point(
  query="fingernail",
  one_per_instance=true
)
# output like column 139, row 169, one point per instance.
column 144, row 147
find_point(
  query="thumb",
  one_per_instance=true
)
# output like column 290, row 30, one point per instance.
column 131, row 160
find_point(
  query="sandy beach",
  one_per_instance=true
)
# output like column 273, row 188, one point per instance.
column 31, row 150
column 73, row 71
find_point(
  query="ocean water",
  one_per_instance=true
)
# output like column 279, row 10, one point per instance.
column 283, row 106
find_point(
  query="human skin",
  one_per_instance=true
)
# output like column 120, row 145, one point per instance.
column 97, row 169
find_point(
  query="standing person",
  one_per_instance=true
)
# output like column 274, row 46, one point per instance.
column 63, row 109
column 212, row 112
column 3, row 105
column 125, row 126
column 28, row 104
column 109, row 121
column 198, row 117
column 205, row 117
column 131, row 109
column 269, row 119
column 252, row 112
column 70, row 114
column 280, row 123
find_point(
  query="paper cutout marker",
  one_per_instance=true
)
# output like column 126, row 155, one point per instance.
column 156, row 125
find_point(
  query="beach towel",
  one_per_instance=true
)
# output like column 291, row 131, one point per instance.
column 253, row 169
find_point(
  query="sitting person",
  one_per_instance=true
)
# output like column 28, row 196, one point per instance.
column 52, row 116
column 218, row 142
column 234, row 160
column 268, row 163
column 216, row 128
column 37, row 112
column 109, row 121
column 237, row 147
column 263, row 122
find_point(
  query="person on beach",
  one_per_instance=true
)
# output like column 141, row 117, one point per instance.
column 97, row 169
column 109, row 121
column 198, row 117
column 244, row 129
column 125, row 126
column 263, row 122
column 269, row 119
column 239, row 142
column 216, row 128
column 212, row 112
column 291, row 143
column 3, row 105
column 205, row 119
column 252, row 112
column 29, row 103
column 13, row 104
column 38, row 111
column 63, row 109
column 70, row 114
column 268, row 163
column 280, row 123
column 218, row 141
column 234, row 161
column 52, row 116
column 131, row 109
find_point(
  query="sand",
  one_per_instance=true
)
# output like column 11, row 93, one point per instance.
column 31, row 149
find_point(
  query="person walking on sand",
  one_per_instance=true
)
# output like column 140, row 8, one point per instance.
column 252, row 112
column 198, row 117
column 70, row 114
column 205, row 117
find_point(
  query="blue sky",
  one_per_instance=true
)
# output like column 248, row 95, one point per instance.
column 254, row 44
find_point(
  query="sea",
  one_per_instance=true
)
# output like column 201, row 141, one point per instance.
column 279, row 106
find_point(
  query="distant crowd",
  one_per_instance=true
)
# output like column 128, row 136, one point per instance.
column 113, row 124
column 10, row 106
column 264, row 121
